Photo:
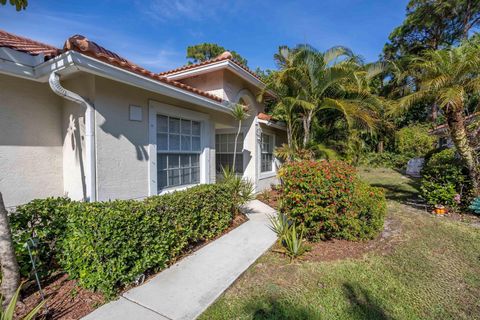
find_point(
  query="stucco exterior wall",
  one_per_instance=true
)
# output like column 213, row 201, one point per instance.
column 30, row 141
column 123, row 145
column 209, row 82
column 73, row 120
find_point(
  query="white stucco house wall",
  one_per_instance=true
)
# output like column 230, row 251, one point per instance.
column 85, row 123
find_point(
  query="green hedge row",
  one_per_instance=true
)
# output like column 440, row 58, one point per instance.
column 328, row 199
column 107, row 244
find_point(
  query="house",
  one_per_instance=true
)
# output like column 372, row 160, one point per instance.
column 86, row 123
column 443, row 135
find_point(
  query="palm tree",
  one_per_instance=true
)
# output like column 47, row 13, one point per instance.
column 449, row 77
column 239, row 113
column 332, row 80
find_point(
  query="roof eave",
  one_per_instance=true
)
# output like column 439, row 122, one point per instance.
column 276, row 125
column 73, row 61
column 214, row 66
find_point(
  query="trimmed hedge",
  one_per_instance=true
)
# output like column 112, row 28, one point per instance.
column 327, row 198
column 107, row 244
column 45, row 220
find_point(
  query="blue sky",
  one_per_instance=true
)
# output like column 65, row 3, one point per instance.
column 155, row 34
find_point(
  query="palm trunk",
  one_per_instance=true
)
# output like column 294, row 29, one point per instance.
column 8, row 261
column 458, row 132
column 380, row 146
column 289, row 135
column 307, row 121
column 235, row 147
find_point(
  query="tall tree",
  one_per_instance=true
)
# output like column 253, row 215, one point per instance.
column 432, row 24
column 206, row 51
column 450, row 77
column 321, row 81
column 8, row 261
column 19, row 4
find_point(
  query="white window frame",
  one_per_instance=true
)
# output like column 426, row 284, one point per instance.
column 158, row 108
column 273, row 172
column 239, row 152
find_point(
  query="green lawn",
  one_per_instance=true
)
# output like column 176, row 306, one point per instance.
column 431, row 271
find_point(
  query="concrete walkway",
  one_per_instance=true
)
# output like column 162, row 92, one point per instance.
column 187, row 288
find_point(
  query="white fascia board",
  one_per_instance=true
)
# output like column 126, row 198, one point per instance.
column 106, row 70
column 224, row 64
column 182, row 74
column 273, row 124
column 16, row 69
column 72, row 61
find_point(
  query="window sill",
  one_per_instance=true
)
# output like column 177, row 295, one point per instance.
column 265, row 175
column 173, row 189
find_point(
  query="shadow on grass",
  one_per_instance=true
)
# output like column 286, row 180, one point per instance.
column 362, row 305
column 401, row 192
column 274, row 309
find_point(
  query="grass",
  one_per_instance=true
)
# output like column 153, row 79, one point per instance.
column 431, row 272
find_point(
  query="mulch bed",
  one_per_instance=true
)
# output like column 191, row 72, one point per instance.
column 66, row 300
column 335, row 249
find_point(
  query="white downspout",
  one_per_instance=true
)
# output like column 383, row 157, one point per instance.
column 90, row 176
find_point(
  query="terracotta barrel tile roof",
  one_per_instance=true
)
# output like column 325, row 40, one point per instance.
column 27, row 45
column 264, row 116
column 83, row 45
column 222, row 57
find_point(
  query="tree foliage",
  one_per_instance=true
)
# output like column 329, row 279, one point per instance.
column 19, row 4
column 312, row 86
column 206, row 51
column 449, row 77
column 432, row 24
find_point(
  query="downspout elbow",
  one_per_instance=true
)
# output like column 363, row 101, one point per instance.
column 90, row 177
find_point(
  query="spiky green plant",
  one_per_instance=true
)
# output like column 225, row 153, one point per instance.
column 9, row 312
column 279, row 224
column 293, row 242
column 241, row 188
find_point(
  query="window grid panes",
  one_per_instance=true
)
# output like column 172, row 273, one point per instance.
column 266, row 153
column 225, row 147
column 178, row 152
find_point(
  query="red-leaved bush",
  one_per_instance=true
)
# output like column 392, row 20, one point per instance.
column 328, row 199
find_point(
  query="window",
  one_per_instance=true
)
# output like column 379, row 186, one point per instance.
column 178, row 152
column 224, row 147
column 266, row 153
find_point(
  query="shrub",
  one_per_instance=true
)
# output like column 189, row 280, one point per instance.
column 371, row 207
column 108, row 244
column 42, row 219
column 327, row 198
column 414, row 141
column 384, row 160
column 444, row 179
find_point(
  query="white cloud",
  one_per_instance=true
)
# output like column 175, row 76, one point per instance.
column 160, row 60
column 196, row 10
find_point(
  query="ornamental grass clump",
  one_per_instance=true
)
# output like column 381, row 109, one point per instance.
column 329, row 201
